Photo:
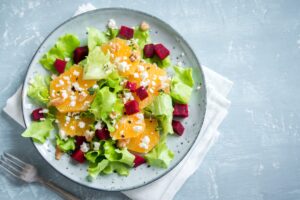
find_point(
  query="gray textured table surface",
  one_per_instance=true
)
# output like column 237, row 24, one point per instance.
column 254, row 43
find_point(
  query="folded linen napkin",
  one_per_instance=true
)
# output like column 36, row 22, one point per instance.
column 166, row 187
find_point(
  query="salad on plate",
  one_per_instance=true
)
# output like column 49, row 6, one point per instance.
column 110, row 102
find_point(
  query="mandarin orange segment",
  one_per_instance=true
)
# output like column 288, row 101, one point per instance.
column 72, row 124
column 154, row 78
column 129, row 126
column 124, row 54
column 69, row 92
column 147, row 140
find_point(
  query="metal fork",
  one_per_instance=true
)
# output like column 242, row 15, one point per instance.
column 29, row 174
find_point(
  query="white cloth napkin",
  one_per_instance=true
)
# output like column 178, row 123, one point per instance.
column 166, row 187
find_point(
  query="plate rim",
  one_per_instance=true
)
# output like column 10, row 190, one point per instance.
column 203, row 85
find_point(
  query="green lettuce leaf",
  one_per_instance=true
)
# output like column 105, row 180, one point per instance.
column 105, row 103
column 97, row 65
column 39, row 131
column 93, row 155
column 116, row 155
column 95, row 169
column 182, row 85
column 120, row 168
column 65, row 145
column 160, row 63
column 95, row 38
column 38, row 89
column 62, row 49
column 113, row 81
column 162, row 109
column 160, row 156
column 143, row 37
column 111, row 33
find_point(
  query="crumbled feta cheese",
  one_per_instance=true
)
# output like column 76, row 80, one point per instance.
column 76, row 86
column 72, row 103
column 76, row 73
column 73, row 98
column 42, row 119
column 81, row 124
column 67, row 59
column 98, row 125
column 143, row 145
column 123, row 66
column 162, row 78
column 84, row 94
column 146, row 139
column 68, row 119
column 179, row 63
column 95, row 86
column 151, row 90
column 145, row 83
column 76, row 117
column 198, row 87
column 86, row 103
column 96, row 146
column 141, row 68
column 61, row 82
column 128, row 96
column 140, row 116
column 66, row 78
column 56, row 121
column 136, row 75
column 89, row 134
column 53, row 93
column 84, row 147
column 72, row 127
column 145, row 142
column 63, row 135
column 112, row 24
column 64, row 94
column 53, row 76
column 144, row 75
column 153, row 83
column 137, row 128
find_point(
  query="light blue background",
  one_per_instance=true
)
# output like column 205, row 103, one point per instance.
column 254, row 43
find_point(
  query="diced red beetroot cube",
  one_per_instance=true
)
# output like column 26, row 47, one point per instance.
column 131, row 107
column 139, row 160
column 180, row 110
column 60, row 65
column 102, row 134
column 78, row 155
column 79, row 140
column 131, row 86
column 126, row 32
column 149, row 50
column 161, row 51
column 37, row 114
column 177, row 127
column 142, row 93
column 80, row 53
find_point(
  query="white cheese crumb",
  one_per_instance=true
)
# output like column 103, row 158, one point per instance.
column 198, row 87
column 151, row 90
column 137, row 128
column 68, row 119
column 145, row 83
column 83, row 94
column 63, row 135
column 73, row 98
column 77, row 117
column 66, row 78
column 67, row 59
column 145, row 142
column 112, row 24
column 123, row 66
column 89, row 134
column 53, row 76
column 84, row 147
column 136, row 75
column 72, row 128
column 144, row 75
column 81, row 124
column 153, row 83
column 76, row 86
column 72, row 103
column 140, row 116
column 95, row 86
column 96, row 146
column 64, row 94
column 146, row 139
column 98, row 125
column 141, row 68
column 76, row 73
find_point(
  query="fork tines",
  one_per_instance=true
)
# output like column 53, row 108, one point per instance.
column 12, row 164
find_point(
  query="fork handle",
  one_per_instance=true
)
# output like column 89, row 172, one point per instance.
column 60, row 191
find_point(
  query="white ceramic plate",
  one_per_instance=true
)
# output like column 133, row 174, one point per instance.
column 160, row 33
